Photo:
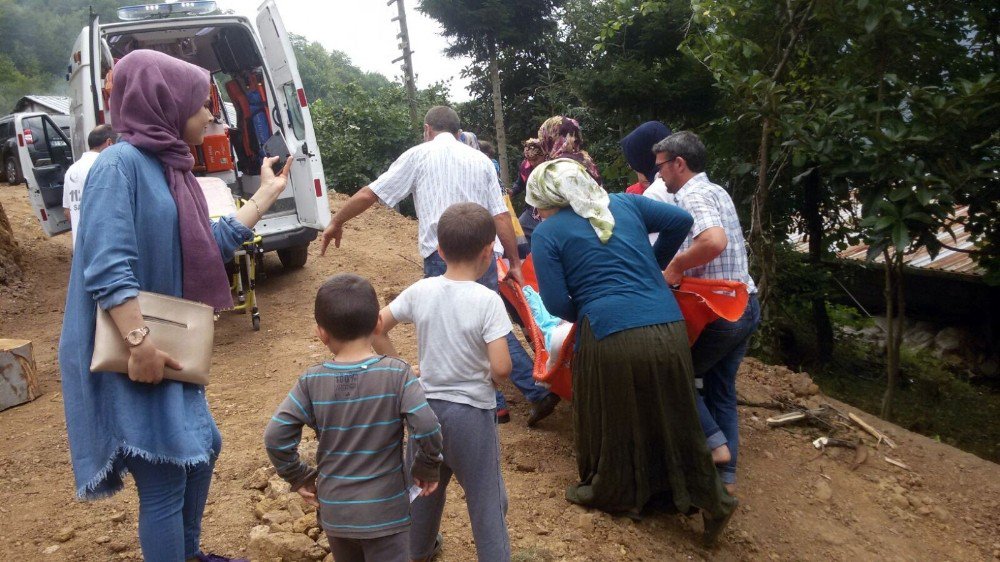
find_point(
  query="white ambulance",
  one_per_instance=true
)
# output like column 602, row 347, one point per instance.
column 256, row 92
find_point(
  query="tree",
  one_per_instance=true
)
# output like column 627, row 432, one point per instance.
column 486, row 30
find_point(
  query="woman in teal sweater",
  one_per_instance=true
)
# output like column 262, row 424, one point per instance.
column 637, row 430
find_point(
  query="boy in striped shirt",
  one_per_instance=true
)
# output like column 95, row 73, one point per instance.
column 357, row 405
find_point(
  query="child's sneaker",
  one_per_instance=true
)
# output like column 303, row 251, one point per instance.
column 503, row 415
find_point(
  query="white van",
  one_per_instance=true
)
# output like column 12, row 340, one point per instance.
column 256, row 91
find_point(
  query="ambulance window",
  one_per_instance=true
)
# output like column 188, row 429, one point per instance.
column 294, row 111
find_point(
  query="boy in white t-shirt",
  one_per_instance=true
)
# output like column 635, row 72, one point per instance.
column 461, row 336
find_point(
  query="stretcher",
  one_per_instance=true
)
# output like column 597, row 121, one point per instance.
column 701, row 302
column 242, row 269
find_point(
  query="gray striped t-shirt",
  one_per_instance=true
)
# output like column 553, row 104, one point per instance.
column 357, row 411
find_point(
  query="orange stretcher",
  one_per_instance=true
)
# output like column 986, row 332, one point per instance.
column 701, row 301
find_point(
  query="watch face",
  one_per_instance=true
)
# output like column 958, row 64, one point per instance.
column 134, row 338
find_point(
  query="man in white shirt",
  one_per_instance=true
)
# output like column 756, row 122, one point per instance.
column 714, row 249
column 439, row 172
column 76, row 176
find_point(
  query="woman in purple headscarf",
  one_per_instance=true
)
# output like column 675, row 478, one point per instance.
column 145, row 227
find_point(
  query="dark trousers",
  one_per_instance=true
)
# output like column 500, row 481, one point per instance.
column 717, row 355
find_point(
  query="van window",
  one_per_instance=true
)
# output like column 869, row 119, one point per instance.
column 6, row 130
column 294, row 110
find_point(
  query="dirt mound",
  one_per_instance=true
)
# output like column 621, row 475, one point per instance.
column 10, row 252
column 795, row 503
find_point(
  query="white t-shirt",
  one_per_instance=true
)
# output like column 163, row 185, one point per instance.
column 440, row 173
column 454, row 320
column 76, row 177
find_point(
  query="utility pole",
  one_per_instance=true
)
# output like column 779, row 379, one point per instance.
column 407, row 58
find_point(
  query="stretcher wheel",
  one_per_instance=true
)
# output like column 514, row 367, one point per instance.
column 255, row 319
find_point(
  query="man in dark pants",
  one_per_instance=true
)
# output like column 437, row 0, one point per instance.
column 714, row 249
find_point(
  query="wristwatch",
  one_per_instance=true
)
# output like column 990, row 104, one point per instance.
column 136, row 336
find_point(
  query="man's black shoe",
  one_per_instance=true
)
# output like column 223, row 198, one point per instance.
column 543, row 409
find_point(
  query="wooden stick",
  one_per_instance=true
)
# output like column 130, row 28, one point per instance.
column 882, row 438
column 894, row 462
column 786, row 419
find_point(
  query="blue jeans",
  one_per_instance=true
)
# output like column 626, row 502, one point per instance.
column 171, row 503
column 717, row 355
column 522, row 365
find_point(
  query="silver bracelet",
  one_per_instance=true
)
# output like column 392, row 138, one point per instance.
column 260, row 215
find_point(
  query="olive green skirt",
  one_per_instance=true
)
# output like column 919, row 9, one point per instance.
column 636, row 428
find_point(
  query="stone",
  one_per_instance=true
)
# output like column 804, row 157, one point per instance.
column 949, row 339
column 117, row 546
column 65, row 534
column 585, row 522
column 117, row 517
column 276, row 487
column 824, row 492
column 314, row 533
column 899, row 500
column 288, row 547
column 329, row 558
column 324, row 542
column 940, row 513
column 295, row 509
column 259, row 479
column 303, row 523
column 924, row 510
column 50, row 550
column 272, row 518
column 102, row 539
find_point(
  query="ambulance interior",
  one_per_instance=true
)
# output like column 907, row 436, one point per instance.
column 246, row 115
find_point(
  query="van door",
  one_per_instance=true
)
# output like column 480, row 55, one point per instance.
column 307, row 179
column 84, row 85
column 45, row 155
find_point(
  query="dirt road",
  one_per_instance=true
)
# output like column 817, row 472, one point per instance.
column 793, row 504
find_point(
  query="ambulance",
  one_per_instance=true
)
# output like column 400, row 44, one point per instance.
column 256, row 91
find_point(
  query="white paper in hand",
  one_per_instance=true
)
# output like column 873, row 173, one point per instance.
column 414, row 492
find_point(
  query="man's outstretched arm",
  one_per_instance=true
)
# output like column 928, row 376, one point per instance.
column 357, row 204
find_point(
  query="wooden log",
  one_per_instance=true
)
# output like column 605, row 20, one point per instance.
column 18, row 377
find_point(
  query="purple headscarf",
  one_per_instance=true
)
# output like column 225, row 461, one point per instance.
column 152, row 97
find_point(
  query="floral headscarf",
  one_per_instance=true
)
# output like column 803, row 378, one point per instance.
column 560, row 137
column 565, row 183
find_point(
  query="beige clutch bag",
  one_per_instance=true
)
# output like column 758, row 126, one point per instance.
column 181, row 328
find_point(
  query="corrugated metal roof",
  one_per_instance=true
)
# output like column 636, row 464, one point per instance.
column 950, row 261
column 55, row 103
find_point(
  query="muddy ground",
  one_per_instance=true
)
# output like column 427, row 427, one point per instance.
column 794, row 504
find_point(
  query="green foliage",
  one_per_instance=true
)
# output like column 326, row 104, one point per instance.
column 36, row 37
column 362, row 120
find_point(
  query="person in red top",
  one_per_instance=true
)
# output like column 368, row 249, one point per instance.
column 639, row 187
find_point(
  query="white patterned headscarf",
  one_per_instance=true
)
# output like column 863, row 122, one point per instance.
column 565, row 183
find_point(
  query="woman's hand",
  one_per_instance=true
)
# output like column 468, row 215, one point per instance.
column 146, row 363
column 271, row 187
column 274, row 183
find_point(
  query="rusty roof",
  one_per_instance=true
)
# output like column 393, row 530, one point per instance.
column 948, row 261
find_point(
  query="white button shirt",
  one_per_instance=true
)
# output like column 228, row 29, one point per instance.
column 440, row 173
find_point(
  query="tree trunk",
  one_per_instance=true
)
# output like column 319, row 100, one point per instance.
column 10, row 254
column 895, row 316
column 761, row 245
column 814, row 230
column 501, row 139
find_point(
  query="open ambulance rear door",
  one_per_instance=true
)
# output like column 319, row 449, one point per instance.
column 85, row 81
column 45, row 155
column 307, row 181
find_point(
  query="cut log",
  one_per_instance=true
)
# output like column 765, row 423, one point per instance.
column 18, row 379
